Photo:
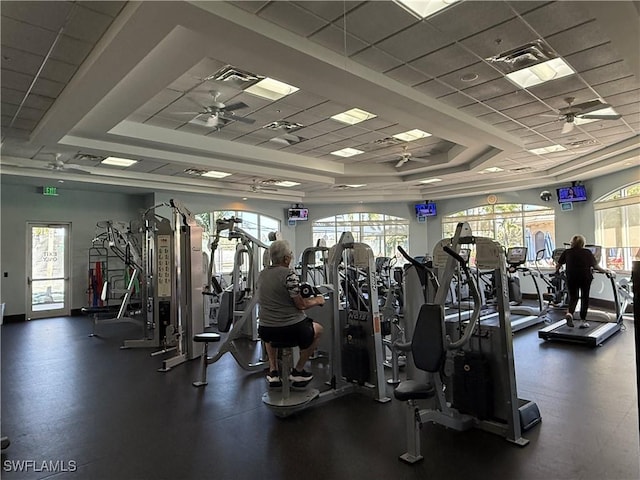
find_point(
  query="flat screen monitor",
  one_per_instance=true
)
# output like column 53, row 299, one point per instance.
column 577, row 193
column 426, row 209
column 298, row 214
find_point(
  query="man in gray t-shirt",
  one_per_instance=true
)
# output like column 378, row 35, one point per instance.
column 282, row 317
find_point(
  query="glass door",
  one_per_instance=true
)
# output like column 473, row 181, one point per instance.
column 48, row 270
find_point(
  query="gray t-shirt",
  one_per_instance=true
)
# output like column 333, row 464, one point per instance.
column 276, row 287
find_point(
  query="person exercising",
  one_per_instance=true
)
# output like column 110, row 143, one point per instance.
column 580, row 262
column 282, row 317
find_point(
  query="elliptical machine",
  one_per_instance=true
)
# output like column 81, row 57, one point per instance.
column 467, row 370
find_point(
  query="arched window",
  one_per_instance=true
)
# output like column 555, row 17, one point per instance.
column 255, row 224
column 383, row 233
column 511, row 224
column 617, row 220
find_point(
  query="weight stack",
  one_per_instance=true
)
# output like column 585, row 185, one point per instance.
column 472, row 388
column 355, row 358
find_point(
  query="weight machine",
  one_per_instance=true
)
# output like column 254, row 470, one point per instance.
column 356, row 356
column 466, row 369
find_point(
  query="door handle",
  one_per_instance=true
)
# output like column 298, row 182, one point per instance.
column 28, row 280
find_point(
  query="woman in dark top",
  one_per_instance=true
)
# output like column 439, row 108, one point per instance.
column 580, row 263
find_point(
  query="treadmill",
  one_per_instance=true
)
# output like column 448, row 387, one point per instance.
column 602, row 324
column 524, row 316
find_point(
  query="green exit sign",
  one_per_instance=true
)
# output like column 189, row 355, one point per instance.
column 50, row 191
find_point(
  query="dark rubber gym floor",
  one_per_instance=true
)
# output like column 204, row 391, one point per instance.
column 108, row 414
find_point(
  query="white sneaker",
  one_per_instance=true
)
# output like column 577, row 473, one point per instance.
column 569, row 318
column 584, row 324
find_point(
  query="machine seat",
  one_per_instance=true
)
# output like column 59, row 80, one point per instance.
column 412, row 390
column 206, row 337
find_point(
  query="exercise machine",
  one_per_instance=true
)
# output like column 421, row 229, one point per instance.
column 469, row 368
column 602, row 324
column 356, row 355
column 522, row 316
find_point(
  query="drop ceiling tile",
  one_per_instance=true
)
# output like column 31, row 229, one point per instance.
column 561, row 86
column 456, row 100
column 19, row 123
column 71, row 50
column 416, row 41
column 524, row 7
column 330, row 11
column 23, row 36
column 49, row 15
column 407, row 75
column 501, row 38
column 292, row 17
column 556, row 17
column 25, row 112
column 376, row 59
column 484, row 72
column 373, row 21
column 111, row 8
column 464, row 19
column 593, row 57
column 443, row 61
column 333, row 38
column 509, row 100
column 301, row 100
column 249, row 5
column 87, row 25
column 620, row 85
column 20, row 81
column 625, row 101
column 164, row 122
column 577, row 39
column 15, row 97
column 491, row 89
column 476, row 109
column 28, row 63
column 434, row 88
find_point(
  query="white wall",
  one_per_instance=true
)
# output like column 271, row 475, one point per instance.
column 83, row 209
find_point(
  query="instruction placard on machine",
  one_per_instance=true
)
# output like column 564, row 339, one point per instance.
column 164, row 265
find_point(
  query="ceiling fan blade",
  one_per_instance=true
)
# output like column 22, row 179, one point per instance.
column 567, row 127
column 583, row 107
column 212, row 121
column 402, row 161
column 189, row 113
column 199, row 105
column 600, row 117
column 234, row 106
column 232, row 116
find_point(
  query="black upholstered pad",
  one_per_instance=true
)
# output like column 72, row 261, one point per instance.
column 206, row 337
column 412, row 390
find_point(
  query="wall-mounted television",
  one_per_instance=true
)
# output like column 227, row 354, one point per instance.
column 577, row 193
column 426, row 209
column 298, row 214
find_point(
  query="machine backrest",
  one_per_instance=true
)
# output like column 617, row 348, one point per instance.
column 427, row 342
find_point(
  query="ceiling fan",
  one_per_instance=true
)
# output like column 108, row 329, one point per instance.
column 591, row 110
column 59, row 165
column 405, row 156
column 218, row 113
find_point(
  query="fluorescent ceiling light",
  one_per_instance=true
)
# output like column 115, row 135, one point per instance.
column 356, row 185
column 411, row 135
column 347, row 152
column 118, row 162
column 424, row 8
column 353, row 116
column 271, row 89
column 493, row 170
column 540, row 73
column 215, row 174
column 550, row 149
column 285, row 183
column 602, row 111
column 431, row 180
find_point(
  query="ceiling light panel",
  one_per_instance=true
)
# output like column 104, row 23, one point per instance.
column 118, row 162
column 285, row 183
column 271, row 89
column 543, row 72
column 424, row 8
column 431, row 180
column 353, row 116
column 411, row 135
column 215, row 174
column 347, row 152
column 492, row 170
column 549, row 149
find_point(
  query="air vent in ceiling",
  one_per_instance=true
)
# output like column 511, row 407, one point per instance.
column 287, row 139
column 523, row 57
column 590, row 142
column 91, row 158
column 234, row 76
column 194, row 171
column 283, row 125
column 388, row 141
column 522, row 170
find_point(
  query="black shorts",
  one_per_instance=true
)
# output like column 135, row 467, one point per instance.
column 300, row 333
